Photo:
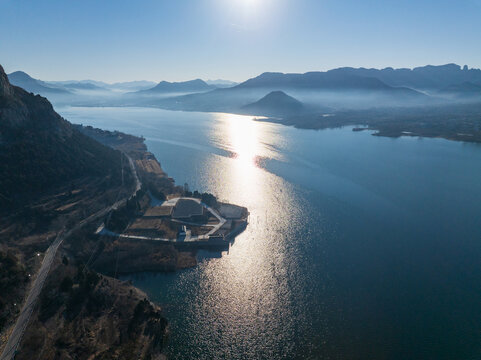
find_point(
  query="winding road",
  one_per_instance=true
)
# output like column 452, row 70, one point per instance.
column 16, row 335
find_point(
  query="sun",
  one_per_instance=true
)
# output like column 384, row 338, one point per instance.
column 249, row 3
column 246, row 14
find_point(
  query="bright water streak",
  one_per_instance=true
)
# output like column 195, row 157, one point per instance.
column 357, row 247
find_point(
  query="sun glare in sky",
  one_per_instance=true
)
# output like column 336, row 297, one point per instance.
column 249, row 2
column 248, row 8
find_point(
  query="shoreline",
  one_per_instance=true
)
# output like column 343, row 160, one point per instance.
column 135, row 240
column 453, row 122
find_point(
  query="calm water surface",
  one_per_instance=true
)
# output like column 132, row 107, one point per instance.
column 358, row 247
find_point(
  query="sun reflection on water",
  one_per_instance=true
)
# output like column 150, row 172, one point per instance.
column 243, row 137
column 248, row 285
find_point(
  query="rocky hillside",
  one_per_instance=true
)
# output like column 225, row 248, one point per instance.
column 53, row 176
column 40, row 150
column 84, row 315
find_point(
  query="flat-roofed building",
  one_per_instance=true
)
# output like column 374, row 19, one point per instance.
column 186, row 209
column 159, row 212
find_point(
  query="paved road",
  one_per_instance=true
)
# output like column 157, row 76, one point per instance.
column 17, row 333
column 22, row 321
column 138, row 184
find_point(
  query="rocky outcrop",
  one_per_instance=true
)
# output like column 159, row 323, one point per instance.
column 40, row 150
column 22, row 110
column 5, row 88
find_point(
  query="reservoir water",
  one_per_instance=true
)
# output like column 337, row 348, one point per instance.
column 358, row 246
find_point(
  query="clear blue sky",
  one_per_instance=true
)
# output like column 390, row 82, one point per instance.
column 118, row 40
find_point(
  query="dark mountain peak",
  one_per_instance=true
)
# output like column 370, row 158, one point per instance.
column 276, row 103
column 5, row 88
column 25, row 81
column 277, row 95
column 20, row 75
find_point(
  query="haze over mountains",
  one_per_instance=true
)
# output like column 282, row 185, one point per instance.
column 342, row 88
column 220, row 83
column 165, row 87
column 422, row 78
column 25, row 81
column 319, row 89
column 464, row 89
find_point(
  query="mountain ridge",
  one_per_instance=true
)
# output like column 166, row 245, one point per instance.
column 196, row 85
column 30, row 84
column 318, row 83
column 421, row 77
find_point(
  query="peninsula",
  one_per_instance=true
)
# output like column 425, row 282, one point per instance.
column 79, row 206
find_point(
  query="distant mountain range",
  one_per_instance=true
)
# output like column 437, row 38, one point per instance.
column 81, row 86
column 131, row 85
column 342, row 88
column 100, row 85
column 421, row 78
column 319, row 89
column 25, row 81
column 331, row 80
column 165, row 87
column 276, row 103
column 69, row 87
column 221, row 83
